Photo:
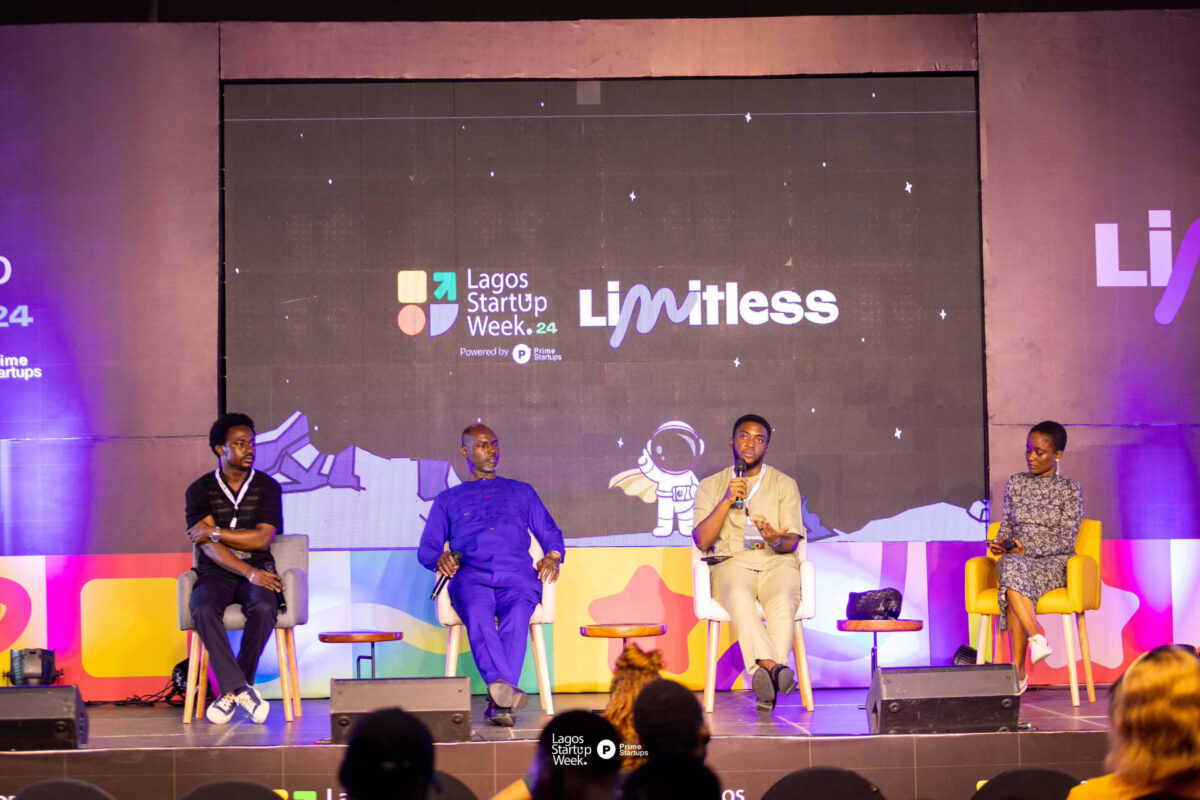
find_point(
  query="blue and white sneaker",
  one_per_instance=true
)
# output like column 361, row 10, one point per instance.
column 252, row 701
column 221, row 710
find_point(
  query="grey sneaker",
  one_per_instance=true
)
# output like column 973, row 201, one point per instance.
column 252, row 701
column 221, row 710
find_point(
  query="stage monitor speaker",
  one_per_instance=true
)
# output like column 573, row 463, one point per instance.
column 443, row 704
column 42, row 718
column 974, row 699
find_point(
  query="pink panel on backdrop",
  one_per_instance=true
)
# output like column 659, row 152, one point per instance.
column 18, row 608
column 65, row 578
column 646, row 598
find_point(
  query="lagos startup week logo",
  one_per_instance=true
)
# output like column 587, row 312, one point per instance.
column 412, row 291
column 1175, row 276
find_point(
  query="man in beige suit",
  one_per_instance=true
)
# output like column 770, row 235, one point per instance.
column 749, row 528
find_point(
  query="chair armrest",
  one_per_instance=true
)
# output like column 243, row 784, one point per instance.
column 295, row 590
column 549, row 599
column 808, row 591
column 186, row 583
column 980, row 575
column 446, row 615
column 701, row 589
column 1083, row 583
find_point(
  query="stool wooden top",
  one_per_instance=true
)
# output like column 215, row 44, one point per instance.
column 627, row 630
column 360, row 637
column 880, row 625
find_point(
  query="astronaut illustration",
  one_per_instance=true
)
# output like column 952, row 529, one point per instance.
column 664, row 473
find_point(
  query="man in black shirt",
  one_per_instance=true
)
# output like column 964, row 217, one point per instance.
column 232, row 516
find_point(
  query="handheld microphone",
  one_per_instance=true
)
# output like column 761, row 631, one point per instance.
column 444, row 579
column 280, row 600
column 739, row 471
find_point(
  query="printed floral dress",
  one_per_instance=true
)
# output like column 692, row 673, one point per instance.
column 1043, row 514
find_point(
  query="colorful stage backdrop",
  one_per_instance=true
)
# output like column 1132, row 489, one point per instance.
column 1041, row 195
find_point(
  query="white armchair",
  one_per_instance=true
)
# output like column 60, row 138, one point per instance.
column 543, row 614
column 709, row 609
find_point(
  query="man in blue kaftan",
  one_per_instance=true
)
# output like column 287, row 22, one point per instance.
column 487, row 519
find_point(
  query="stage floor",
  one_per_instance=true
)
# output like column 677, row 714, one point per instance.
column 139, row 753
column 837, row 712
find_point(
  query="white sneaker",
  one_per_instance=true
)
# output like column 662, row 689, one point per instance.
column 1022, row 685
column 252, row 701
column 221, row 711
column 1039, row 651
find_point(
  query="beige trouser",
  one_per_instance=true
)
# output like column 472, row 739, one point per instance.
column 737, row 588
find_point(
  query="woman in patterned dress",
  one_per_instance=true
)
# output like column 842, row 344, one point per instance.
column 1042, row 512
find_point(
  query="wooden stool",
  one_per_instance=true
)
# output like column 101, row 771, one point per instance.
column 361, row 637
column 622, row 631
column 876, row 627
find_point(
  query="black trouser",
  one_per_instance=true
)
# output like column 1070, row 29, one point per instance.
column 216, row 590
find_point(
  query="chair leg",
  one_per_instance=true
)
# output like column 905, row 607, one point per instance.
column 285, row 679
column 293, row 673
column 1085, row 649
column 710, row 664
column 542, row 666
column 202, row 692
column 998, row 641
column 981, row 643
column 189, row 702
column 453, row 639
column 801, row 654
column 1070, row 640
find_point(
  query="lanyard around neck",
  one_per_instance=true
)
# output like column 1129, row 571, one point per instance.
column 241, row 495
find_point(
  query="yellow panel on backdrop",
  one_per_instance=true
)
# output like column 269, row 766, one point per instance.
column 625, row 584
column 130, row 627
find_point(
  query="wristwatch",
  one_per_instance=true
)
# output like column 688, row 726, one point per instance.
column 557, row 556
column 215, row 536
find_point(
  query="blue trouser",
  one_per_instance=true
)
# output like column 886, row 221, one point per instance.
column 497, row 622
column 216, row 590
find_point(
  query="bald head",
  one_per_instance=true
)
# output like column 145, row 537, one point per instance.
column 481, row 449
column 469, row 432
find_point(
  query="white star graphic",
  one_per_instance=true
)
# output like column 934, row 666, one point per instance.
column 908, row 187
column 620, row 442
column 897, row 434
column 747, row 116
column 943, row 314
column 632, row 196
column 736, row 362
column 493, row 174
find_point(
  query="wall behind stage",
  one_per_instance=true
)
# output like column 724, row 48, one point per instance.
column 110, row 142
column 110, row 240
column 1091, row 229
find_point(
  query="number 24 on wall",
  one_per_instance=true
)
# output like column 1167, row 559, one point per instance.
column 19, row 316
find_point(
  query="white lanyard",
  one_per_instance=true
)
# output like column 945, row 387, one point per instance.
column 229, row 494
column 753, row 492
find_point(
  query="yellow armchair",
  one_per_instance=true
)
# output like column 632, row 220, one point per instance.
column 1082, row 593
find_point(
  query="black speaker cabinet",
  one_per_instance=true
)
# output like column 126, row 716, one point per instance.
column 443, row 704
column 42, row 718
column 973, row 699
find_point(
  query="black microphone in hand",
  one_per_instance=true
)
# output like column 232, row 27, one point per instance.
column 739, row 471
column 444, row 579
column 280, row 600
